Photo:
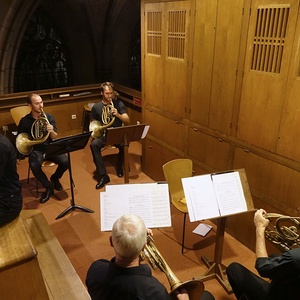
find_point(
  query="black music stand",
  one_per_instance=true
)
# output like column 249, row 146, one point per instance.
column 124, row 135
column 67, row 145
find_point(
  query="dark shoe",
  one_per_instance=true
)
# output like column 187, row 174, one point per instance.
column 46, row 195
column 120, row 172
column 102, row 182
column 56, row 184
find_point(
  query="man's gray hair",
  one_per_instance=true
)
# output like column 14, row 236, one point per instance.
column 129, row 236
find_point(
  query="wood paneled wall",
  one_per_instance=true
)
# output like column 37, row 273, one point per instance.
column 229, row 99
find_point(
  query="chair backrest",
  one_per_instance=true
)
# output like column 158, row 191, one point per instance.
column 174, row 171
column 19, row 112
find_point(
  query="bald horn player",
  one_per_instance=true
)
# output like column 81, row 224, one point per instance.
column 46, row 131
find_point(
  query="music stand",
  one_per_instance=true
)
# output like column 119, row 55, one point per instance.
column 124, row 135
column 215, row 267
column 67, row 145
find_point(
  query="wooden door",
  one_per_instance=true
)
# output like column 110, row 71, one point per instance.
column 270, row 39
column 288, row 140
column 166, row 32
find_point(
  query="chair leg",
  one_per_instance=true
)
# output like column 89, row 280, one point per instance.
column 28, row 174
column 183, row 232
column 37, row 188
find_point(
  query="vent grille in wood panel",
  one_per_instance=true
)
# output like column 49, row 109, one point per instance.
column 269, row 38
column 154, row 32
column 176, row 34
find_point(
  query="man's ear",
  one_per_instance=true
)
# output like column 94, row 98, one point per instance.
column 110, row 241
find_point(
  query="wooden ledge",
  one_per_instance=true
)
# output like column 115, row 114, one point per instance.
column 16, row 247
column 60, row 277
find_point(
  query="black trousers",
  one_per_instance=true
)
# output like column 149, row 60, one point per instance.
column 10, row 207
column 245, row 284
column 207, row 296
column 96, row 146
column 36, row 159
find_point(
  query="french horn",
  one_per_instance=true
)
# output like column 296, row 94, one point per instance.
column 194, row 288
column 283, row 231
column 97, row 128
column 39, row 134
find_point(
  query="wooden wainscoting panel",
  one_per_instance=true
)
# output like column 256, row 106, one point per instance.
column 288, row 140
column 208, row 150
column 155, row 156
column 275, row 184
column 225, row 64
column 170, row 132
column 203, row 55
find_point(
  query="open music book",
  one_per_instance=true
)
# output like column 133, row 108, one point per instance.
column 214, row 195
column 148, row 200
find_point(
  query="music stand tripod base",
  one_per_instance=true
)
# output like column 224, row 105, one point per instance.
column 215, row 271
column 215, row 268
column 71, row 208
column 67, row 145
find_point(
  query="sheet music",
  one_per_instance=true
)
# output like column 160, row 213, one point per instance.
column 111, row 209
column 214, row 195
column 150, row 201
column 200, row 197
column 145, row 131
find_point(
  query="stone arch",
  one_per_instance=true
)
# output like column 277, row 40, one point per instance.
column 17, row 14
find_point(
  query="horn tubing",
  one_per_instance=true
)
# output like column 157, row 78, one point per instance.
column 284, row 236
column 25, row 142
column 195, row 288
column 96, row 127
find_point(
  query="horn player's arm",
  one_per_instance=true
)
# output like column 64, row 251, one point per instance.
column 53, row 134
column 261, row 224
column 51, row 127
column 123, row 117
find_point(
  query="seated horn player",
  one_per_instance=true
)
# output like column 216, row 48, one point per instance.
column 123, row 277
column 283, row 271
column 110, row 111
column 39, row 129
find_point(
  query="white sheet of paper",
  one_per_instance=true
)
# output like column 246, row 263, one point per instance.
column 150, row 201
column 200, row 197
column 213, row 195
column 145, row 131
column 202, row 229
column 229, row 193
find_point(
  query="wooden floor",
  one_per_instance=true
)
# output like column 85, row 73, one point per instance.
column 79, row 232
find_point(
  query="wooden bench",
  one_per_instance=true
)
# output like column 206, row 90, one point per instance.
column 31, row 236
column 20, row 273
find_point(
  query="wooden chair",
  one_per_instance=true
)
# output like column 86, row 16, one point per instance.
column 17, row 114
column 173, row 171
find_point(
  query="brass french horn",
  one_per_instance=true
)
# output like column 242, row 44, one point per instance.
column 284, row 233
column 25, row 142
column 108, row 119
column 195, row 288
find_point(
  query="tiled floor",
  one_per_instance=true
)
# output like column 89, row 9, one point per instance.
column 80, row 236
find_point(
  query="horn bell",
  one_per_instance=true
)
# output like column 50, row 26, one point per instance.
column 194, row 288
column 98, row 129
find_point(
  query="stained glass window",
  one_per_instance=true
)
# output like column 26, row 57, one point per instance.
column 42, row 60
